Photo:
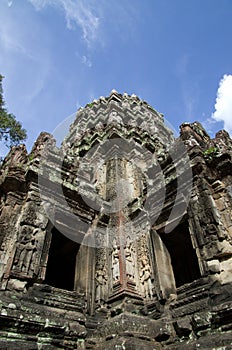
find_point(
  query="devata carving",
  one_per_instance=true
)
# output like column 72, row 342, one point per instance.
column 101, row 283
column 27, row 249
column 129, row 257
column 115, row 262
column 145, row 276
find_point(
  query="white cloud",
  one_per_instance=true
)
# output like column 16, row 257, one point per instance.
column 77, row 13
column 209, row 125
column 13, row 42
column 223, row 105
column 189, row 87
column 85, row 60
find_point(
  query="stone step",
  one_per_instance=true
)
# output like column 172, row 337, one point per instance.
column 48, row 295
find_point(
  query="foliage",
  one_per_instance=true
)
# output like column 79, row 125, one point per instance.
column 90, row 105
column 211, row 153
column 11, row 131
column 31, row 157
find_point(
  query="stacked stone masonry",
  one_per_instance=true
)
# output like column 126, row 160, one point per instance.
column 121, row 238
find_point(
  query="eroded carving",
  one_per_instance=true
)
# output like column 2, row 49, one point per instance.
column 145, row 277
column 129, row 256
column 115, row 262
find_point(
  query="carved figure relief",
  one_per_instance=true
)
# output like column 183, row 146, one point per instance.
column 101, row 275
column 145, row 277
column 115, row 262
column 130, row 266
column 99, row 126
column 101, row 282
column 26, row 247
column 114, row 118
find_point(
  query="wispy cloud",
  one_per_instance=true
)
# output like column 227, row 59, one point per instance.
column 209, row 125
column 21, row 53
column 85, row 60
column 11, row 42
column 223, row 105
column 77, row 13
column 189, row 86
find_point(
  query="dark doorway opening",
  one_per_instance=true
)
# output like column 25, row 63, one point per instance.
column 183, row 256
column 61, row 264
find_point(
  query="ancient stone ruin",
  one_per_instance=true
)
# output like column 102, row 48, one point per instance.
column 120, row 238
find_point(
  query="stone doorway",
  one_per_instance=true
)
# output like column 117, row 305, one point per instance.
column 61, row 263
column 183, row 256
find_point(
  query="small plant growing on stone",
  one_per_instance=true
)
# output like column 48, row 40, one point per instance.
column 211, row 153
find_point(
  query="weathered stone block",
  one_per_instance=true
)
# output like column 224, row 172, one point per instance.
column 17, row 285
column 213, row 266
column 226, row 271
column 183, row 326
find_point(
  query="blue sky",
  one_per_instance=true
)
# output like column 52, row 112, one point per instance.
column 58, row 55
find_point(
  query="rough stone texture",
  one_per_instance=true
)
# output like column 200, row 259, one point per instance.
column 148, row 263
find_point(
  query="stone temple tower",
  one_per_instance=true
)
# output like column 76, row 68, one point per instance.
column 121, row 238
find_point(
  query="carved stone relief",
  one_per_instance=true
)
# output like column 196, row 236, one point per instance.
column 129, row 257
column 145, row 277
column 101, row 276
column 144, row 263
column 26, row 247
column 115, row 262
